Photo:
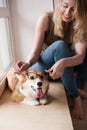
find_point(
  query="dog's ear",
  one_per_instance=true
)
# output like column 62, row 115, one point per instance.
column 19, row 76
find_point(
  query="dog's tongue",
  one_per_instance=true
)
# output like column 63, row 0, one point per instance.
column 39, row 93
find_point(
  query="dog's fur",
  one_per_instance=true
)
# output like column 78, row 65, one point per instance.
column 29, row 87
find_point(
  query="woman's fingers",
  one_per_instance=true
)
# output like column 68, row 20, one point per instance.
column 20, row 66
column 24, row 66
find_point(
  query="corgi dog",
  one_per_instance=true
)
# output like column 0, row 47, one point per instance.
column 28, row 87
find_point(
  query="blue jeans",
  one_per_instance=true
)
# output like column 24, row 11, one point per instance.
column 81, row 71
column 50, row 56
column 82, row 74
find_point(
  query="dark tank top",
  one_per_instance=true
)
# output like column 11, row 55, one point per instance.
column 49, row 35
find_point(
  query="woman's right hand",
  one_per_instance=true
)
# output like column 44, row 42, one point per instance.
column 20, row 66
column 57, row 70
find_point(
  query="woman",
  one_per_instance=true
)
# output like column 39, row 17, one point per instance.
column 63, row 32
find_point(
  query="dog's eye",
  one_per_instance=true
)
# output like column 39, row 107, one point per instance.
column 41, row 76
column 32, row 77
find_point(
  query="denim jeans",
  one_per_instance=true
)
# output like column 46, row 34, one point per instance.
column 50, row 56
column 82, row 74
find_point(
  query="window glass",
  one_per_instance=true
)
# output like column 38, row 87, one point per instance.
column 3, row 3
column 6, row 49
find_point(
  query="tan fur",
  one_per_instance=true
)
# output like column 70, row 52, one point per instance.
column 16, row 96
column 23, row 80
column 12, row 80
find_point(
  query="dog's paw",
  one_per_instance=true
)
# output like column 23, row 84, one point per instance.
column 43, row 101
column 35, row 103
column 30, row 102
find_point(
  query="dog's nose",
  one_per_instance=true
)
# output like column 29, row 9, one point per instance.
column 39, row 84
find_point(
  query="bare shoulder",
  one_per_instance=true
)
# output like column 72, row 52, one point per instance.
column 44, row 16
column 43, row 21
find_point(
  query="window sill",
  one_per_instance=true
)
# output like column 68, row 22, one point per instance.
column 3, row 79
column 2, row 86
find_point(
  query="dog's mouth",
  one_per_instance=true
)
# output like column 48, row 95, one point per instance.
column 38, row 91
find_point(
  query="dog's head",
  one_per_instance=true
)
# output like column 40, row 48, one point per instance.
column 34, row 83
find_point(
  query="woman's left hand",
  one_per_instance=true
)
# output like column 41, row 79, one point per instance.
column 20, row 66
column 57, row 70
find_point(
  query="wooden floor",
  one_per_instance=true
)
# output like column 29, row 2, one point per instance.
column 81, row 124
column 8, row 107
column 53, row 116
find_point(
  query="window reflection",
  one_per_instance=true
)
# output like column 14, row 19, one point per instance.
column 3, row 3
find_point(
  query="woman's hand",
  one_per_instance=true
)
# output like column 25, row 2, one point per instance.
column 56, row 70
column 20, row 66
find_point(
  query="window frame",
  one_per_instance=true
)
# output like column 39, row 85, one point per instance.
column 5, row 13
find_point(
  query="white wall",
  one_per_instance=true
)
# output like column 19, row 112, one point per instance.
column 24, row 14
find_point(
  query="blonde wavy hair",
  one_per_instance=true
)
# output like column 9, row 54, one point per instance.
column 79, row 24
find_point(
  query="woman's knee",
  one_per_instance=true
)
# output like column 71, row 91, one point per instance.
column 61, row 50
column 60, row 44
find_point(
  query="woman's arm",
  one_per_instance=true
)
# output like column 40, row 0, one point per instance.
column 41, row 28
column 57, row 69
column 80, row 49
